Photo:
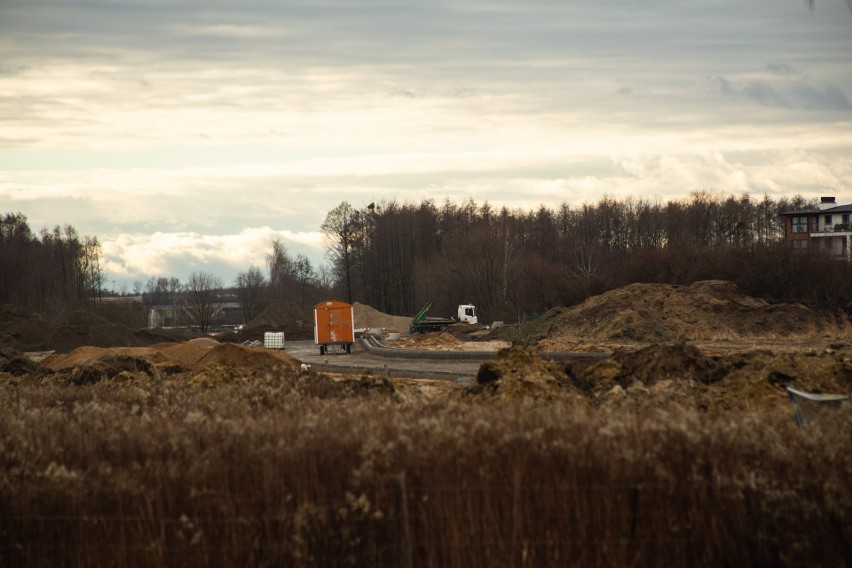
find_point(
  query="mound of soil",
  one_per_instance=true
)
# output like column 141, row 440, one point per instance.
column 22, row 330
column 192, row 356
column 657, row 313
column 519, row 374
column 433, row 340
column 26, row 331
column 366, row 317
column 84, row 355
column 667, row 362
column 110, row 367
column 295, row 322
column 243, row 357
column 664, row 374
column 18, row 365
column 187, row 354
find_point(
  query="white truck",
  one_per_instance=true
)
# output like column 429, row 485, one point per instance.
column 422, row 324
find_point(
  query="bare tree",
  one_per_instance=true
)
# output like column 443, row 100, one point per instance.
column 280, row 267
column 587, row 261
column 305, row 278
column 341, row 227
column 251, row 286
column 162, row 291
column 91, row 275
column 201, row 299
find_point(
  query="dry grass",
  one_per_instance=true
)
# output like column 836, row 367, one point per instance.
column 276, row 469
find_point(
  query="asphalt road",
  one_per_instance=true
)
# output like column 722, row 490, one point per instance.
column 360, row 362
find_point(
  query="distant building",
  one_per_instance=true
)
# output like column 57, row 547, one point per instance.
column 228, row 314
column 827, row 229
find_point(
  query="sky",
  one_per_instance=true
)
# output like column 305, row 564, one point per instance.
column 187, row 135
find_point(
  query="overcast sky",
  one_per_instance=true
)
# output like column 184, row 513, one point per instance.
column 187, row 134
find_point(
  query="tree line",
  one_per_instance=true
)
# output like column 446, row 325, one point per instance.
column 54, row 271
column 517, row 263
column 512, row 264
column 49, row 270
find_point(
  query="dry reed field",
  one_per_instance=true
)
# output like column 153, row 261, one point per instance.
column 287, row 469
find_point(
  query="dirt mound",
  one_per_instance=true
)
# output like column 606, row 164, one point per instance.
column 366, row 316
column 656, row 313
column 27, row 331
column 519, row 374
column 67, row 337
column 433, row 340
column 171, row 358
column 110, row 367
column 667, row 362
column 19, row 365
column 81, row 318
column 187, row 353
column 243, row 357
column 83, row 355
column 295, row 322
column 23, row 330
column 152, row 336
column 659, row 375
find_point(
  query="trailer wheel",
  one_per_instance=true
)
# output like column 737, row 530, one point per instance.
column 322, row 349
column 348, row 348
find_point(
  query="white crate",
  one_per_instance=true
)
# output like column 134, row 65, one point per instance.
column 273, row 340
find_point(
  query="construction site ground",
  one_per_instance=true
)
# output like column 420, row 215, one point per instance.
column 360, row 362
column 705, row 345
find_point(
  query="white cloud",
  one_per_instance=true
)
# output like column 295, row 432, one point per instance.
column 170, row 128
column 132, row 256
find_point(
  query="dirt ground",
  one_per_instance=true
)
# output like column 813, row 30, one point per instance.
column 706, row 346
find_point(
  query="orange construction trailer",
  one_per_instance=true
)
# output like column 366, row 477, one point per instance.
column 334, row 326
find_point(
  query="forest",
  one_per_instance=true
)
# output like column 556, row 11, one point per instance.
column 512, row 264
column 48, row 270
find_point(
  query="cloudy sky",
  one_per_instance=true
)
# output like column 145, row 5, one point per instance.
column 188, row 134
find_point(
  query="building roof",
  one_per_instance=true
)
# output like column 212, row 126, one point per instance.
column 827, row 211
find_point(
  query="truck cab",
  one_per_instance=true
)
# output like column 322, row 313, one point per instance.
column 467, row 314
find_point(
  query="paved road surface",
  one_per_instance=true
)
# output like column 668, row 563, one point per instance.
column 359, row 362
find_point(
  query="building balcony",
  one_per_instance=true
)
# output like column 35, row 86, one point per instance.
column 838, row 230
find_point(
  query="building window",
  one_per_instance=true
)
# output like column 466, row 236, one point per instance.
column 828, row 220
column 800, row 224
column 845, row 218
column 800, row 245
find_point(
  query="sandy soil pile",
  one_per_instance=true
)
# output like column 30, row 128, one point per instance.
column 366, row 316
column 294, row 321
column 655, row 313
column 201, row 359
column 675, row 373
column 433, row 340
column 457, row 337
